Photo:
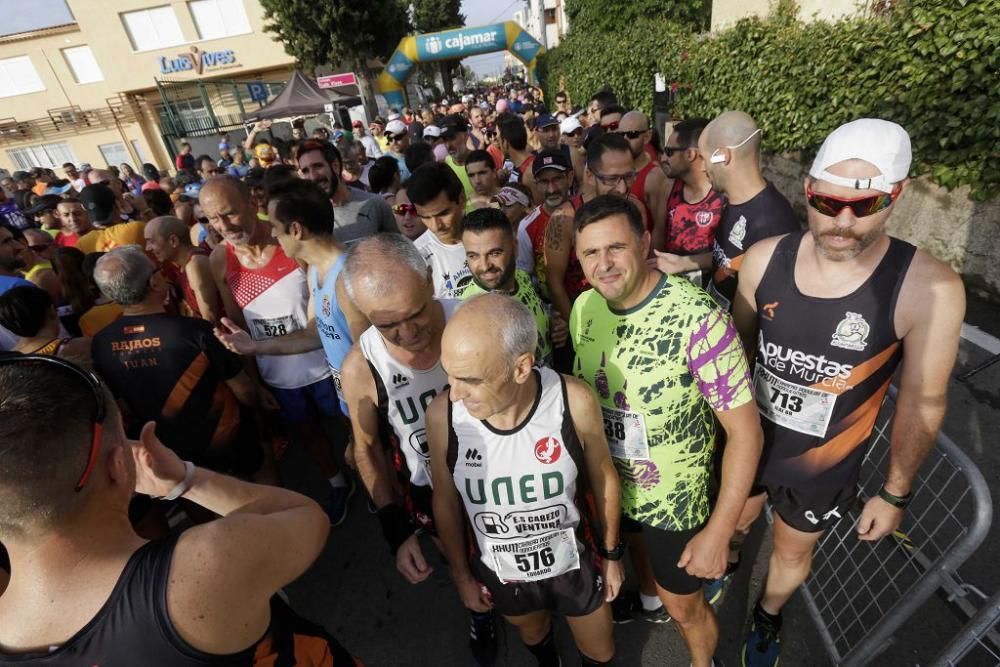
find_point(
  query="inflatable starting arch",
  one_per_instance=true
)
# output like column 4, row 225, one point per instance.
column 452, row 45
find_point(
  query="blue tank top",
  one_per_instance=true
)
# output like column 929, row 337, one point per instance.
column 334, row 332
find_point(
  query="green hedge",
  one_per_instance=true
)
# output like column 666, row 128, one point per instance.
column 933, row 66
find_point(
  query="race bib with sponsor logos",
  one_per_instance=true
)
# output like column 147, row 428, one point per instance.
column 626, row 434
column 536, row 558
column 793, row 406
column 270, row 327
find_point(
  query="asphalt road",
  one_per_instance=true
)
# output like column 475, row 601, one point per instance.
column 355, row 591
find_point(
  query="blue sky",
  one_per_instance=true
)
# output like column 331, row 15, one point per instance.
column 481, row 12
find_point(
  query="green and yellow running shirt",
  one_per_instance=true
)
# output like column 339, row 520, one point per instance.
column 527, row 294
column 659, row 370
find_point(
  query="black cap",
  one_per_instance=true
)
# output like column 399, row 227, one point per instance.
column 453, row 124
column 99, row 201
column 44, row 203
column 255, row 177
column 550, row 159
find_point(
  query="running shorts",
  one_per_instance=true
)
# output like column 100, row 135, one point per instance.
column 665, row 548
column 809, row 510
column 578, row 592
column 298, row 404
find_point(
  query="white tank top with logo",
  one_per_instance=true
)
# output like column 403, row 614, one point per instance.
column 403, row 396
column 519, row 487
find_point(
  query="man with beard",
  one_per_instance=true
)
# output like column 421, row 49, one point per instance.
column 651, row 186
column 551, row 171
column 491, row 252
column 755, row 210
column 265, row 296
column 477, row 123
column 356, row 214
column 864, row 303
column 694, row 209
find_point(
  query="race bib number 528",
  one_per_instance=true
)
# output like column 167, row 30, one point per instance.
column 269, row 327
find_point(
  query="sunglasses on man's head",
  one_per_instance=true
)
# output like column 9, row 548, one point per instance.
column 862, row 207
column 96, row 388
column 404, row 209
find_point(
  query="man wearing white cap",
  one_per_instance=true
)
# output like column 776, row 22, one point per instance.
column 399, row 141
column 572, row 137
column 831, row 313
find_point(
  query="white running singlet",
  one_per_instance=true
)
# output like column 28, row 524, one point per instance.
column 274, row 300
column 447, row 262
column 403, row 396
column 519, row 487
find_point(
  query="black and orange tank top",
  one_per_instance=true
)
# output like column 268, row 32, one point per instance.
column 822, row 369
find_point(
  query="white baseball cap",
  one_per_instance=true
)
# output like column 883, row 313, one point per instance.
column 432, row 131
column 570, row 125
column 395, row 127
column 881, row 143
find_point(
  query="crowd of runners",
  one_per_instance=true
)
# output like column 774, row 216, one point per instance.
column 554, row 338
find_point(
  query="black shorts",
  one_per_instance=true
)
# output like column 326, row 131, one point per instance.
column 629, row 525
column 809, row 510
column 420, row 506
column 578, row 592
column 665, row 548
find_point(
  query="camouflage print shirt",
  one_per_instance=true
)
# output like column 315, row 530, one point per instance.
column 659, row 370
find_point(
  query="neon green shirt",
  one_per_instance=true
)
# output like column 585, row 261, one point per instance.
column 528, row 295
column 466, row 183
column 659, row 370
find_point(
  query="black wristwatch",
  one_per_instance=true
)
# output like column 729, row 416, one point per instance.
column 896, row 501
column 613, row 554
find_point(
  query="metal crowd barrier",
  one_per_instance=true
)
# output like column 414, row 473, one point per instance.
column 860, row 593
column 978, row 643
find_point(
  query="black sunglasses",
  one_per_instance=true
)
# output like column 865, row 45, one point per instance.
column 96, row 388
column 632, row 134
column 670, row 150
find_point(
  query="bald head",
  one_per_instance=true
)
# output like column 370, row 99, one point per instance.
column 36, row 237
column 225, row 186
column 736, row 131
column 633, row 121
column 166, row 226
column 380, row 264
column 494, row 327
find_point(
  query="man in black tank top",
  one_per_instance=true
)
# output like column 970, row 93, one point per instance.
column 86, row 590
column 831, row 314
column 755, row 209
column 506, row 424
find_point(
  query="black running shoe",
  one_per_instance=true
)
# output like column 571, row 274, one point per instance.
column 483, row 638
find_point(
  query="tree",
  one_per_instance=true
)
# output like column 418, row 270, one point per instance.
column 330, row 32
column 435, row 15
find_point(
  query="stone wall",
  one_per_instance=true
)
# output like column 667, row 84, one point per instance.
column 949, row 225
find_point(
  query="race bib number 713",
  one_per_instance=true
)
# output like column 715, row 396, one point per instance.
column 791, row 405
